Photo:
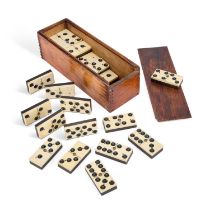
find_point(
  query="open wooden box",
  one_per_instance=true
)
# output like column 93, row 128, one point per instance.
column 110, row 96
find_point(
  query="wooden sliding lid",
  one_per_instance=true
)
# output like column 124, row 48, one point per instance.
column 168, row 103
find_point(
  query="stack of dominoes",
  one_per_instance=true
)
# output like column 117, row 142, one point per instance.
column 78, row 48
column 65, row 92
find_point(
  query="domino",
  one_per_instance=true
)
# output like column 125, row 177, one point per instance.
column 119, row 122
column 79, row 49
column 66, row 36
column 95, row 63
column 72, row 159
column 81, row 128
column 50, row 124
column 38, row 82
column 145, row 143
column 167, row 78
column 100, row 177
column 60, row 89
column 76, row 50
column 64, row 45
column 114, row 151
column 36, row 112
column 109, row 76
column 75, row 104
column 45, row 153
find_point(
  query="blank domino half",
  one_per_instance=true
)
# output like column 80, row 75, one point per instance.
column 167, row 78
column 45, row 153
column 40, row 81
column 75, row 104
column 36, row 112
column 60, row 89
column 145, row 143
column 100, row 177
column 114, row 151
column 81, row 128
column 109, row 76
column 50, row 124
column 119, row 122
column 72, row 159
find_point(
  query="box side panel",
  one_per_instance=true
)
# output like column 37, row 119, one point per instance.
column 77, row 73
column 124, row 91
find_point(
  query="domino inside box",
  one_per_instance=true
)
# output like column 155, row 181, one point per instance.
column 111, row 82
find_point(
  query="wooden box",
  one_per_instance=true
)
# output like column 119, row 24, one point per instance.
column 110, row 96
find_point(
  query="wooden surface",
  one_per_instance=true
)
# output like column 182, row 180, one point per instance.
column 168, row 103
column 88, row 81
column 123, row 91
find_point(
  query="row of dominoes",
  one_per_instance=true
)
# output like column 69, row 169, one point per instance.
column 96, row 170
column 43, row 108
column 71, row 160
column 57, row 119
column 86, row 127
column 69, row 103
column 63, row 91
column 113, row 150
column 46, row 80
column 78, row 48
column 106, row 148
column 76, row 129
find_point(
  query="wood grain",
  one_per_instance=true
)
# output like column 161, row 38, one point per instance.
column 91, row 83
column 168, row 103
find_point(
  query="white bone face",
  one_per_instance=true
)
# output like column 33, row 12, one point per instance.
column 100, row 177
column 40, row 81
column 144, row 142
column 81, row 128
column 50, row 124
column 167, row 78
column 94, row 62
column 114, row 151
column 119, row 122
column 60, row 89
column 71, row 160
column 75, row 104
column 36, row 112
column 45, row 153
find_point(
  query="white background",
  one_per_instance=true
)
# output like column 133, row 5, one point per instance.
column 178, row 178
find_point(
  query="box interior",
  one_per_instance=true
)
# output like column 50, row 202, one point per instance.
column 118, row 64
